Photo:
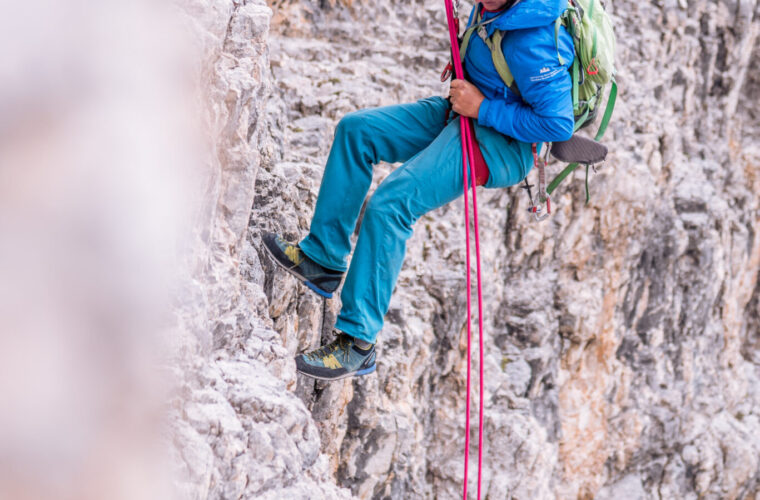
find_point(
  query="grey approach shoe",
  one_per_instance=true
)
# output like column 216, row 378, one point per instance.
column 319, row 279
column 340, row 358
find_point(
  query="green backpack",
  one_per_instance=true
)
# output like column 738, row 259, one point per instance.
column 593, row 65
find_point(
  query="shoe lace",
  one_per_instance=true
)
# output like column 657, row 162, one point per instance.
column 342, row 343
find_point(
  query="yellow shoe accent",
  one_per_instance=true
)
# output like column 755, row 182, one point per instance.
column 294, row 254
column 331, row 362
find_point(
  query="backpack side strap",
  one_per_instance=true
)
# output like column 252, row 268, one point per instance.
column 588, row 150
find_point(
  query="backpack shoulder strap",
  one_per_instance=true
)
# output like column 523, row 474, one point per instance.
column 494, row 45
column 465, row 42
column 497, row 55
column 499, row 61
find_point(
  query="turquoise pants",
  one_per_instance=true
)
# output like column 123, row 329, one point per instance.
column 431, row 176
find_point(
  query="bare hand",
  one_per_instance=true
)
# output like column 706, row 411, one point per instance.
column 465, row 98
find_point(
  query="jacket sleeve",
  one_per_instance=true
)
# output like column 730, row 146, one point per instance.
column 545, row 111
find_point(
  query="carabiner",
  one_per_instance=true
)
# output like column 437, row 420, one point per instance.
column 447, row 71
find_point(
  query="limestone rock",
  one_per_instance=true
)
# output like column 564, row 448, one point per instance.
column 621, row 337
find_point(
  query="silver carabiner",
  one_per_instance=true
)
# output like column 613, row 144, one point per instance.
column 538, row 210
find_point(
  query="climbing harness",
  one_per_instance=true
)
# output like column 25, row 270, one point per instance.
column 468, row 146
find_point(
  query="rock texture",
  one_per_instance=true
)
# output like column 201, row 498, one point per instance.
column 237, row 429
column 621, row 337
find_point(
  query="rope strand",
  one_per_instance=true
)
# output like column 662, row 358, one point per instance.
column 467, row 154
column 480, row 316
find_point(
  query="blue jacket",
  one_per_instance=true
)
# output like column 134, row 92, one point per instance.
column 543, row 112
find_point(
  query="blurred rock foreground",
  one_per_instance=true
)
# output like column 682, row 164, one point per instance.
column 621, row 337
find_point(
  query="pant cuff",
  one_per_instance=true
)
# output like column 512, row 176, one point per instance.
column 350, row 329
column 314, row 254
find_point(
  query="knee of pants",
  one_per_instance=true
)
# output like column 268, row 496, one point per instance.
column 352, row 123
column 390, row 205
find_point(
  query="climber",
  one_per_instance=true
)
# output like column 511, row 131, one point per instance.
column 425, row 139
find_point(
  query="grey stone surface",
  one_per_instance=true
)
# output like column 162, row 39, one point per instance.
column 621, row 337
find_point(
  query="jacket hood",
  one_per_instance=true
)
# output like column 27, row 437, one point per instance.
column 530, row 14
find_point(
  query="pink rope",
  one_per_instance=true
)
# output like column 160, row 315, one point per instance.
column 480, row 316
column 467, row 153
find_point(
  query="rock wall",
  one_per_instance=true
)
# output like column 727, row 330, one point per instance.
column 236, row 428
column 620, row 336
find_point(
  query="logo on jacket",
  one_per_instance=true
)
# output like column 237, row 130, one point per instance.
column 545, row 74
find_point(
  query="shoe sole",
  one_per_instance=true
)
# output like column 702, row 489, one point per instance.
column 358, row 373
column 311, row 286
